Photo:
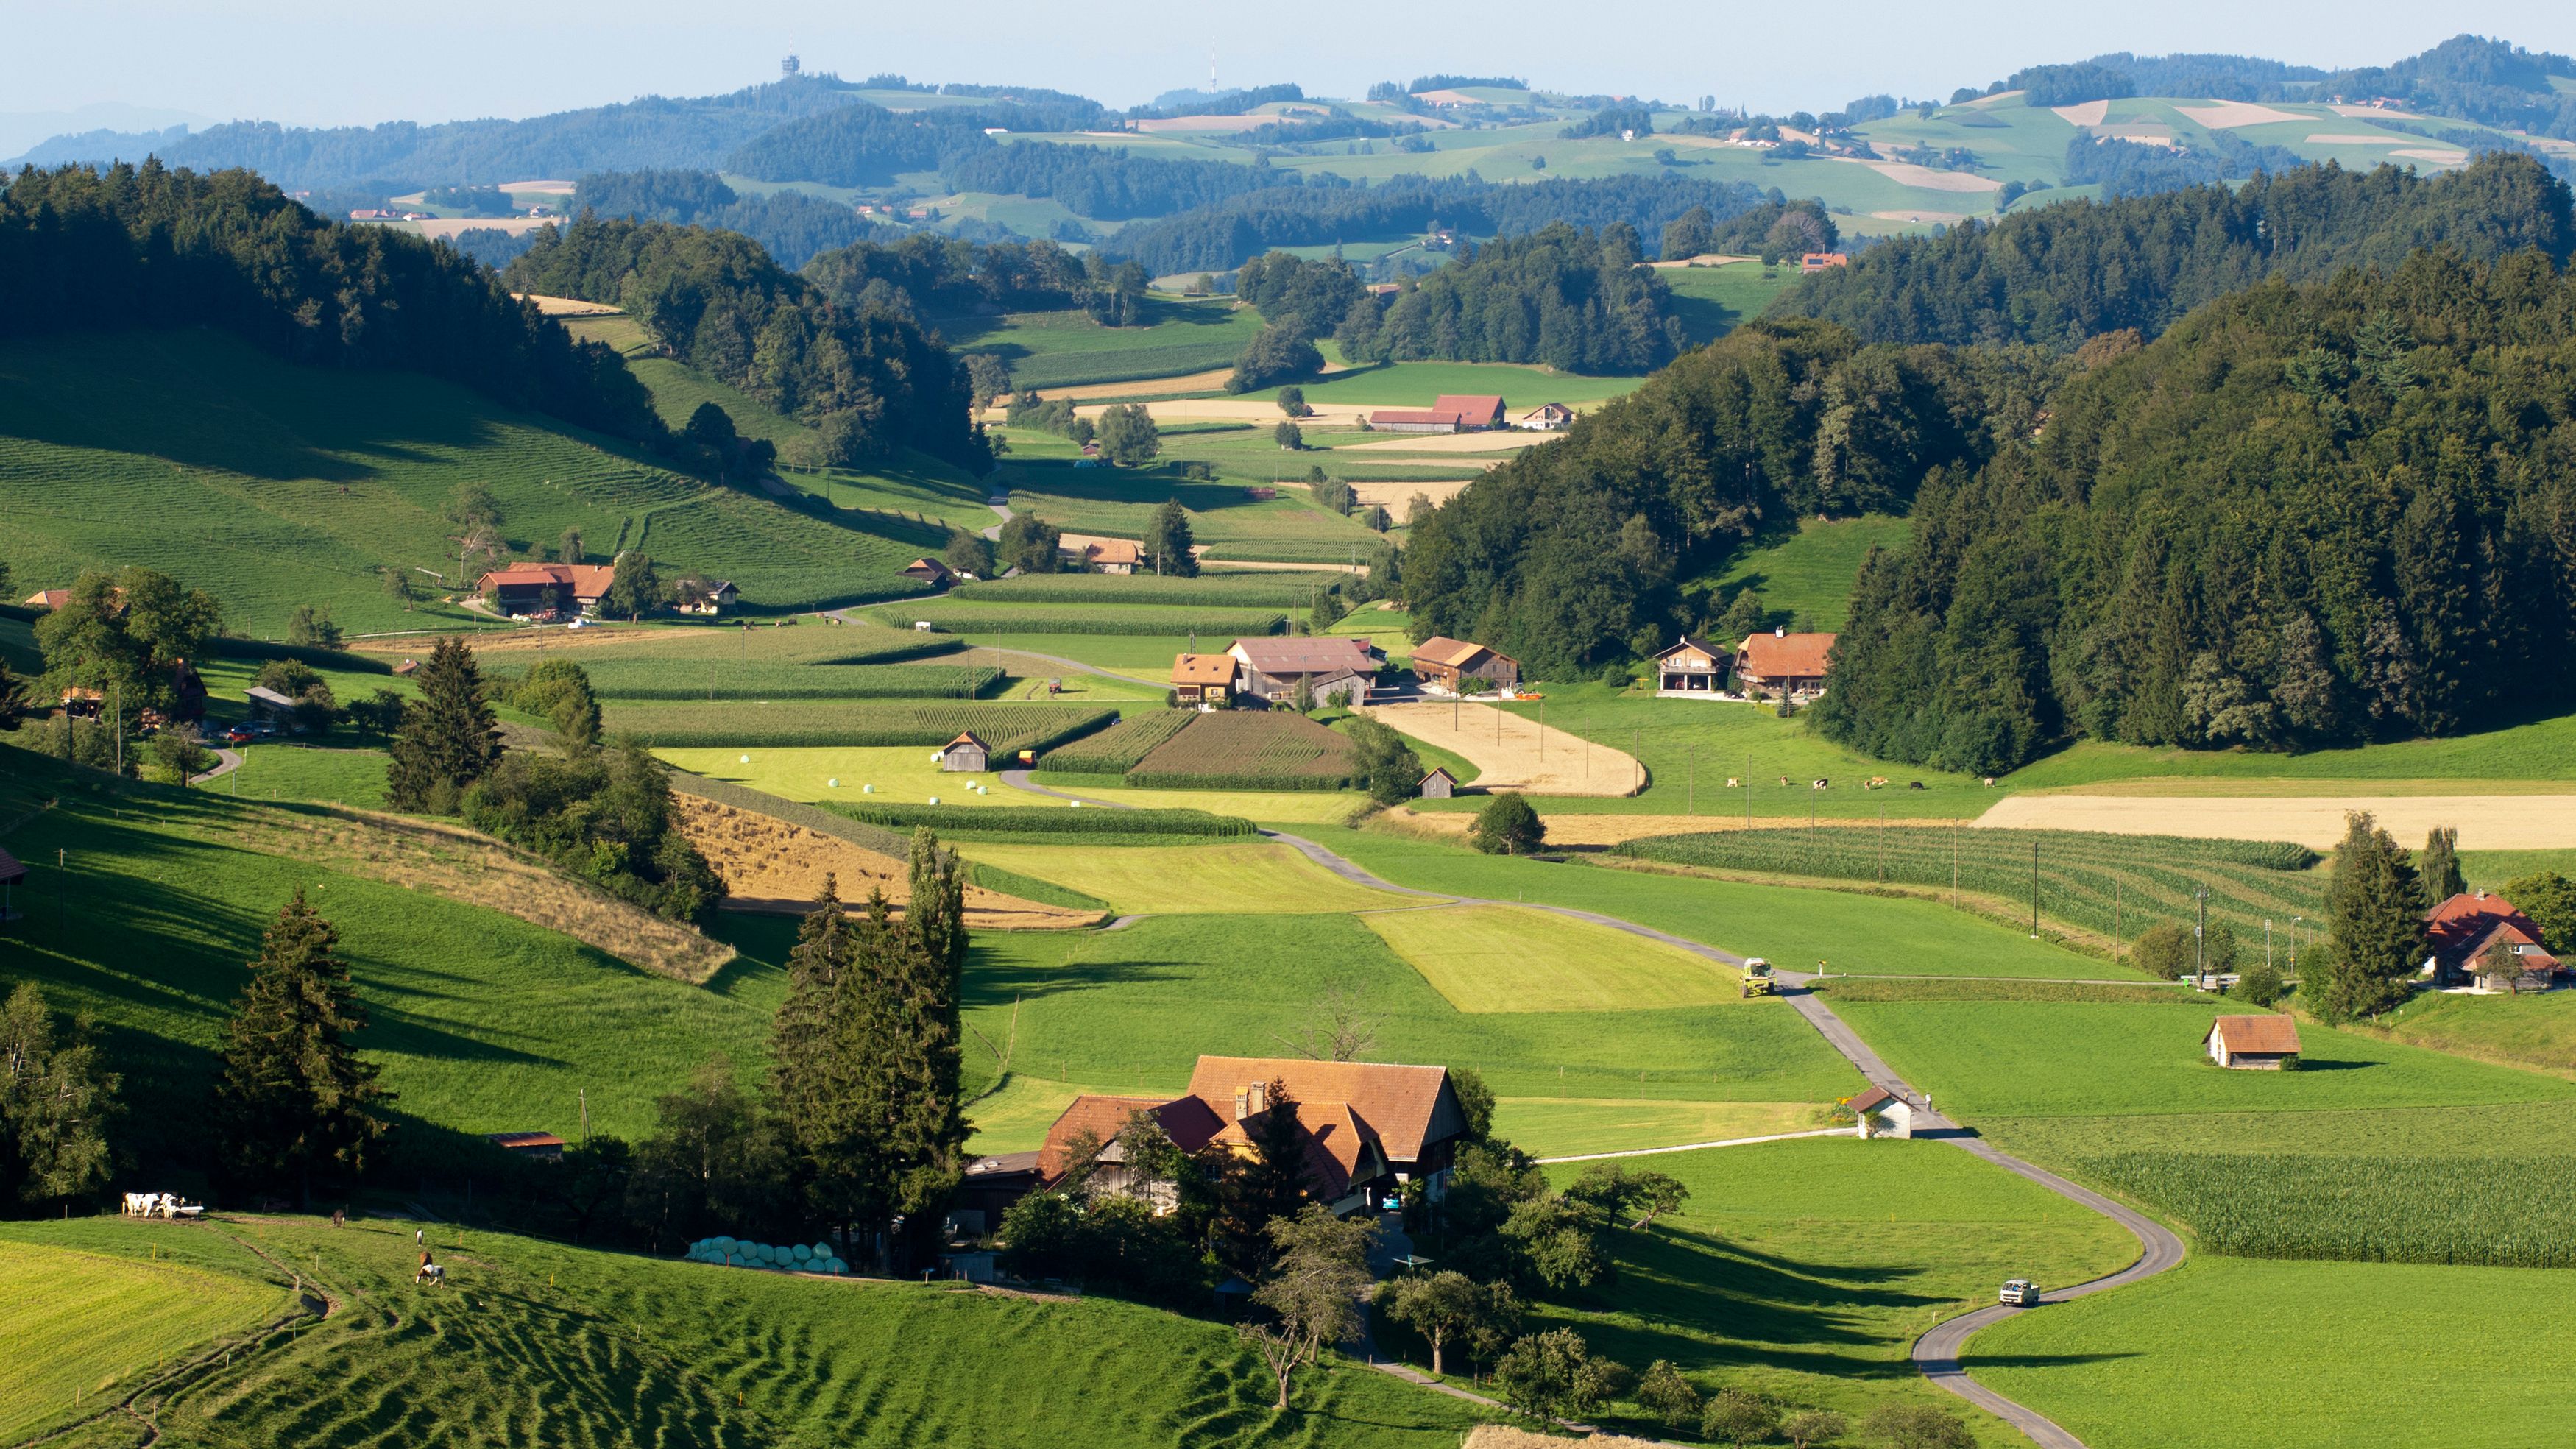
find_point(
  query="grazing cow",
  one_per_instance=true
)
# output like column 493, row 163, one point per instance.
column 1784, row 781
column 1819, row 785
column 1877, row 780
column 430, row 1273
column 1913, row 784
column 1732, row 782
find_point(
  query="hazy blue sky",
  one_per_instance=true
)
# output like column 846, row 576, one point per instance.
column 307, row 62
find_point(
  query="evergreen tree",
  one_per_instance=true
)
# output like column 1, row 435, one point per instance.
column 1168, row 539
column 13, row 698
column 924, row 963
column 447, row 740
column 2375, row 923
column 2439, row 865
column 832, row 1158
column 635, row 588
column 293, row 1097
column 55, row 1106
column 1267, row 1187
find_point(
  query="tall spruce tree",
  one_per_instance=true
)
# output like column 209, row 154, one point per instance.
column 293, row 1097
column 2375, row 910
column 816, row 1067
column 923, row 964
column 1270, row 1186
column 2439, row 866
column 447, row 740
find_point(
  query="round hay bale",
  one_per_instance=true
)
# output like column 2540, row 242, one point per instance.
column 802, row 1252
column 835, row 1265
column 822, row 1250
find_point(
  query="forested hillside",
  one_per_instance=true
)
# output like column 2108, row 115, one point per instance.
column 149, row 246
column 1577, row 301
column 2060, row 274
column 2308, row 515
column 1217, row 237
column 869, row 380
column 2476, row 79
column 1567, row 557
column 790, row 225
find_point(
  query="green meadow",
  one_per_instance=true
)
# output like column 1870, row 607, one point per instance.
column 609, row 1349
column 1064, row 349
column 1803, row 1271
column 1713, row 301
column 84, row 1324
column 273, row 486
column 1804, row 577
column 2233, row 1353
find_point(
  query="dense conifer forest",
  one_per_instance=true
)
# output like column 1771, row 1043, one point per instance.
column 148, row 246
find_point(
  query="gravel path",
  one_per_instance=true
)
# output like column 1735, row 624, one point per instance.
column 226, row 761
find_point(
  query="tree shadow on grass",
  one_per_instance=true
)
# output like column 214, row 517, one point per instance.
column 999, row 984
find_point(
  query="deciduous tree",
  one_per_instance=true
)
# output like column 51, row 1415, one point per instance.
column 1508, row 826
column 1550, row 1376
column 1319, row 1269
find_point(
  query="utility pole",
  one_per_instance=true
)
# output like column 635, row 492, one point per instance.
column 2034, row 890
column 2199, row 930
column 585, row 1117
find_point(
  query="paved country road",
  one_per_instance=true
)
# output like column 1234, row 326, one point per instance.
column 1936, row 1353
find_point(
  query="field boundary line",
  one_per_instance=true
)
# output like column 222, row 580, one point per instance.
column 1696, row 1146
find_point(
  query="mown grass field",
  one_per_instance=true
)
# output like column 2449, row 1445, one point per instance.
column 901, row 774
column 1692, row 747
column 2232, row 1353
column 1415, row 384
column 540, row 1343
column 2040, row 1058
column 1713, row 301
column 2531, row 1030
column 982, row 617
column 1130, row 1010
column 1224, row 516
column 1794, row 928
column 273, row 486
column 1065, row 349
column 1509, row 958
column 2114, row 886
column 285, row 770
column 481, row 1022
column 1263, row 878
column 81, row 1323
column 1802, row 1271
column 1804, row 576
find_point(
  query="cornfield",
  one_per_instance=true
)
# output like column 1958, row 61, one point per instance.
column 1121, row 747
column 1007, row 728
column 2108, row 884
column 1249, row 750
column 846, row 681
column 2507, row 1212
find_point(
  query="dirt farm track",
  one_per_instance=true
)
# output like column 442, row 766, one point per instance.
column 2485, row 822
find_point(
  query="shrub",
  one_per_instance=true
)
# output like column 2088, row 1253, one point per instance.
column 2260, row 984
column 2163, row 950
column 1382, row 763
column 1508, row 826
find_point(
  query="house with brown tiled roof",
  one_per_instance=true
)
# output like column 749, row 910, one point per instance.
column 1327, row 663
column 1450, row 413
column 1692, row 668
column 1101, row 554
column 1364, row 1128
column 1781, row 663
column 537, row 588
column 1450, row 663
column 1203, row 678
column 2471, row 933
column 49, row 599
column 2263, row 1043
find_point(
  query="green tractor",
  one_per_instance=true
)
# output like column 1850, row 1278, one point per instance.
column 1757, row 978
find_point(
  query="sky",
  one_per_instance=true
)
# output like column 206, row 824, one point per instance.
column 308, row 62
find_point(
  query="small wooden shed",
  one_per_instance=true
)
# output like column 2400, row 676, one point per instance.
column 1439, row 784
column 966, row 752
column 2265, row 1043
column 543, row 1146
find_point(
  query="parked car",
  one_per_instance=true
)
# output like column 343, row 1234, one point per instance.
column 2020, row 1293
column 240, row 734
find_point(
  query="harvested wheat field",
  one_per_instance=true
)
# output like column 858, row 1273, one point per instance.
column 1394, row 496
column 2485, row 822
column 1590, row 829
column 1503, row 1436
column 566, row 306
column 466, row 866
column 2220, row 115
column 2083, row 113
column 1514, row 753
column 772, row 865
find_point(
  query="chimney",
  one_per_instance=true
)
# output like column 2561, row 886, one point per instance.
column 1242, row 1105
column 1260, row 1095
column 1779, row 631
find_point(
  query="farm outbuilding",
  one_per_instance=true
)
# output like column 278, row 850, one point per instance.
column 929, row 571
column 966, row 752
column 1326, row 663
column 1882, row 1113
column 541, row 1146
column 2263, row 1043
column 1450, row 663
column 268, row 704
column 534, row 588
column 1439, row 785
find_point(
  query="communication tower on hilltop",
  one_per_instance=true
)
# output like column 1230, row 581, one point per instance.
column 790, row 66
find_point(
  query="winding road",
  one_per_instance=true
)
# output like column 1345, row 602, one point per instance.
column 1936, row 1353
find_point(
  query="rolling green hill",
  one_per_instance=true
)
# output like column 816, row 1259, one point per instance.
column 272, row 485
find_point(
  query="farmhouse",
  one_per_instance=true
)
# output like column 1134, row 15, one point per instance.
column 1452, row 413
column 1545, row 418
column 1438, row 785
column 1326, row 664
column 49, row 599
column 966, row 752
column 1882, row 1113
column 534, row 588
column 1366, row 1127
column 1101, row 555
column 1823, row 261
column 1203, row 678
column 2253, row 1043
column 1692, row 668
column 930, row 571
column 1780, row 663
column 1450, row 663
column 2473, row 935
column 706, row 596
